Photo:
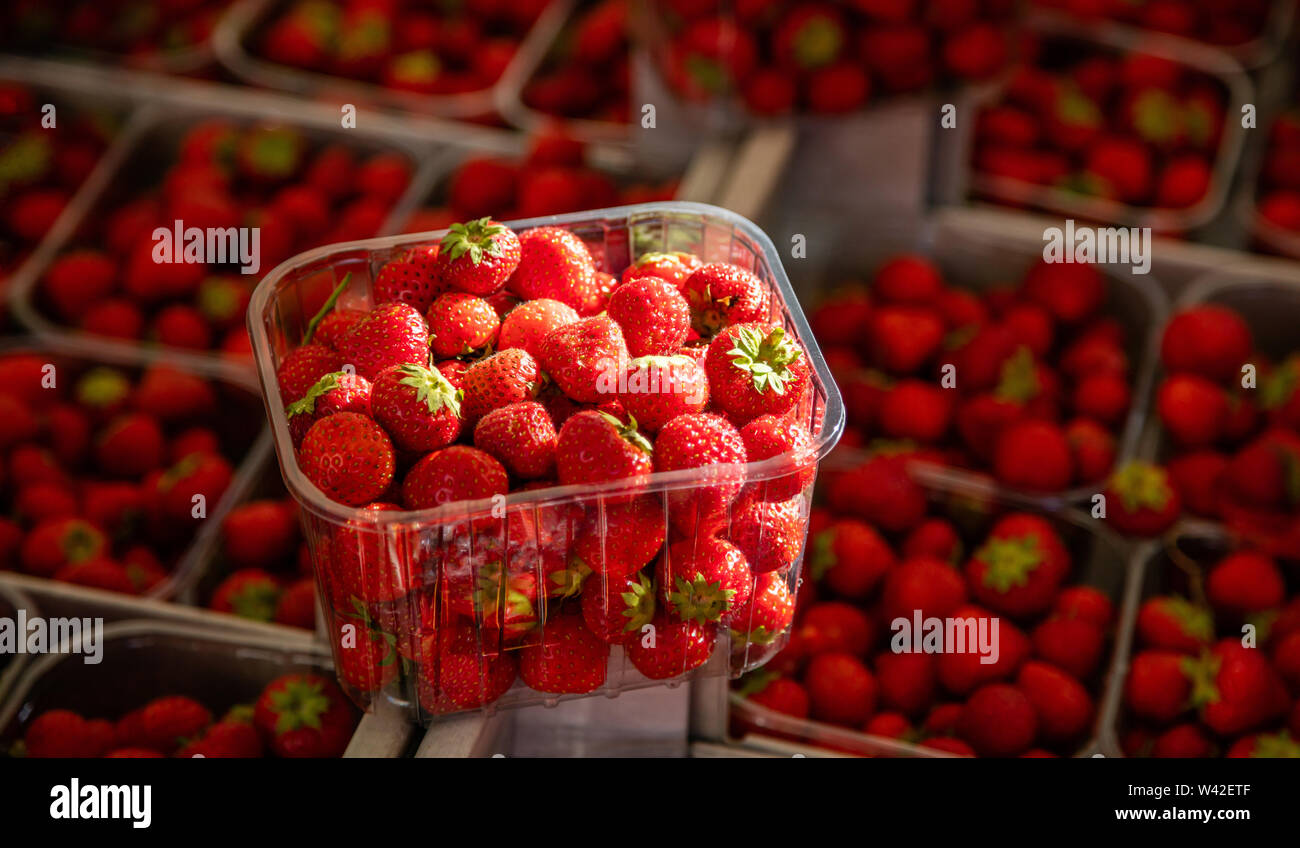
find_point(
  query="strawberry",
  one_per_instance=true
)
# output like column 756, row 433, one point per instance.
column 1033, row 455
column 704, row 581
column 456, row 473
column 1183, row 740
column 416, row 405
column 65, row 734
column 1072, row 644
column 456, row 675
column 907, row 278
column 504, row 378
column 336, row 324
column 933, row 537
column 963, row 671
column 929, row 585
column 304, row 715
column 163, row 724
column 675, row 267
column 834, row 626
column 1124, row 167
column 1192, row 409
column 1064, row 708
column 660, row 388
column 904, row 337
column 617, row 608
column 338, row 391
column 768, row 613
column 1142, row 500
column 303, row 367
column 348, row 457
column 461, row 324
column 998, row 720
column 1174, row 624
column 77, row 280
column 1183, row 182
column 907, row 681
column 555, row 264
column 839, row 88
column 478, row 256
column 232, row 737
column 916, row 410
column 976, row 52
column 1103, row 397
column 621, row 537
column 1271, row 745
column 1208, row 340
column 770, row 535
column 1085, row 602
column 114, row 317
column 1235, row 688
column 653, row 314
column 568, row 659
column 248, row 593
column 392, row 334
column 755, row 370
column 99, row 573
column 1158, row 686
column 260, row 533
column 1018, row 569
column 1245, row 582
column 130, row 445
column 851, row 558
column 57, row 542
column 367, row 659
column 521, row 436
column 170, row 394
column 809, row 36
column 697, row 441
column 297, row 605
column 721, row 294
column 777, row 693
column 672, row 647
column 841, row 690
column 597, row 447
column 528, row 323
column 583, row 357
column 1265, row 474
column 404, row 280
column 768, row 436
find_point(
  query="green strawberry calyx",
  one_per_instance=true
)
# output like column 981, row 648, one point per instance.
column 300, row 703
column 1195, row 620
column 766, row 358
column 476, row 239
column 256, row 601
column 306, row 405
column 1142, row 485
column 1019, row 377
column 823, row 558
column 1203, row 672
column 567, row 582
column 1010, row 561
column 756, row 681
column 102, row 387
column 431, row 388
column 818, row 42
column 628, row 432
column 1276, row 746
column 274, row 152
column 1077, row 109
column 1279, row 385
column 327, row 308
column 1157, row 116
column 416, row 66
column 639, row 604
column 699, row 600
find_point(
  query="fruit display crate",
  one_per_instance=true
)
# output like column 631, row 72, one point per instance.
column 286, row 299
column 132, row 170
column 550, row 35
column 143, row 660
column 1100, row 559
column 12, row 600
column 234, row 41
column 957, row 180
column 1265, row 167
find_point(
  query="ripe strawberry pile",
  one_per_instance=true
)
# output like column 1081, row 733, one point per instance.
column 1043, row 381
column 552, row 178
column 144, row 33
column 586, row 73
column 1278, row 195
column 1133, row 128
column 40, row 168
column 828, row 57
column 298, row 193
column 402, row 45
column 1233, row 453
column 265, row 563
column 296, row 715
column 1224, row 23
column 547, row 371
column 840, row 666
column 1194, row 687
column 101, row 470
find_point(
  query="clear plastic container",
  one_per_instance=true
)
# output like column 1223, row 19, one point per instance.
column 146, row 660
column 291, row 293
column 1100, row 559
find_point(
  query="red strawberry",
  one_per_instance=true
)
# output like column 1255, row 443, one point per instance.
column 768, row 613
column 768, row 436
column 416, row 405
column 297, row 605
column 838, row 88
column 616, row 608
column 232, row 737
column 1142, row 500
column 755, row 370
column 336, row 324
column 1123, row 165
column 1271, row 745
column 929, row 585
column 521, row 436
column 851, row 558
column 99, row 573
column 339, row 391
column 1236, row 689
column 1158, row 687
column 597, row 447
column 528, row 323
column 349, row 457
column 367, row 564
column 621, row 537
column 976, row 52
column 1084, row 602
column 64, row 734
column 1193, row 409
column 248, row 593
column 461, row 324
column 1019, row 567
column 1183, row 182
column 721, row 294
column 260, row 533
column 705, row 581
column 457, row 675
column 367, row 659
column 412, row 280
column 1065, row 710
column 780, row 694
column 998, row 720
column 1245, row 582
column 1073, row 644
column 653, row 315
column 770, row 535
column 393, row 334
column 506, row 377
column 585, row 358
column 455, row 473
column 934, row 537
column 129, row 446
column 916, row 410
column 170, row 394
column 303, row 367
column 904, row 337
column 77, row 280
column 695, row 441
column 163, row 724
column 1183, row 740
column 1209, row 340
column 555, row 264
column 478, row 256
column 676, row 268
column 304, row 715
column 907, row 681
column 834, row 626
column 1265, row 474
column 58, row 542
column 1033, row 455
column 841, row 689
column 672, row 647
column 660, row 388
column 1174, row 624
column 907, row 278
